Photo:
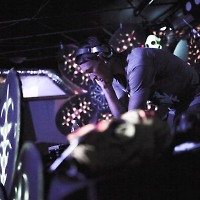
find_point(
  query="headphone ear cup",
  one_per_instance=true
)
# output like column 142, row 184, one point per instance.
column 105, row 55
column 102, row 55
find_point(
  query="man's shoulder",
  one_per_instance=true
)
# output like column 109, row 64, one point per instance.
column 143, row 49
column 150, row 52
column 138, row 50
column 139, row 53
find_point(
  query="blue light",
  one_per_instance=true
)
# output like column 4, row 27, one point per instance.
column 187, row 146
column 188, row 6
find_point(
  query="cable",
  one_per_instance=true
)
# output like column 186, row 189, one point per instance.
column 40, row 9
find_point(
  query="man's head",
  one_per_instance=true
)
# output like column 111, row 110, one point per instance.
column 93, row 56
column 93, row 49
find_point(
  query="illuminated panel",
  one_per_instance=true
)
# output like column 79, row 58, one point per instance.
column 70, row 70
column 78, row 110
column 127, row 37
column 194, row 50
column 44, row 83
column 97, row 97
column 83, row 109
column 39, row 86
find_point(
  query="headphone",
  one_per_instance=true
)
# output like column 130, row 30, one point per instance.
column 103, row 51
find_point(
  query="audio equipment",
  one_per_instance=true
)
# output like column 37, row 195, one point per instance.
column 103, row 51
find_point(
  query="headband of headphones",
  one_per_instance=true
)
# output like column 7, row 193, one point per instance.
column 104, row 51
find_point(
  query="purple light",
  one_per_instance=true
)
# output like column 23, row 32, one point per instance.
column 188, row 6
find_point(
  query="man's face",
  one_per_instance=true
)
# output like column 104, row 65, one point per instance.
column 97, row 70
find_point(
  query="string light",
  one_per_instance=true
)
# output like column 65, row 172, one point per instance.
column 193, row 46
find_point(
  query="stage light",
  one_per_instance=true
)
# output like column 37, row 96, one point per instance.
column 128, row 36
column 192, row 7
column 163, row 28
column 188, row 6
column 193, row 47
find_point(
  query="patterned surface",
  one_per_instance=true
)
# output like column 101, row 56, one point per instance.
column 9, row 129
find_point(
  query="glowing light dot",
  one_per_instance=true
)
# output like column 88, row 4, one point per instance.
column 125, row 47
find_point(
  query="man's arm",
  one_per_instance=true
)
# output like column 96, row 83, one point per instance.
column 138, row 99
column 114, row 104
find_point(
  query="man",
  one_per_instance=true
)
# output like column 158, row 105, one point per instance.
column 130, row 80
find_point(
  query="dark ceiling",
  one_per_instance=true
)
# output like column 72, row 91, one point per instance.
column 31, row 31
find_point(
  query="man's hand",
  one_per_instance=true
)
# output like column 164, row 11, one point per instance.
column 103, row 84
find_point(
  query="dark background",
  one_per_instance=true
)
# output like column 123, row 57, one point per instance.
column 31, row 31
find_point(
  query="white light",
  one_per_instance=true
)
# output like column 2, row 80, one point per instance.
column 125, row 47
column 163, row 28
column 151, row 2
column 26, row 185
column 185, row 146
column 118, row 49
